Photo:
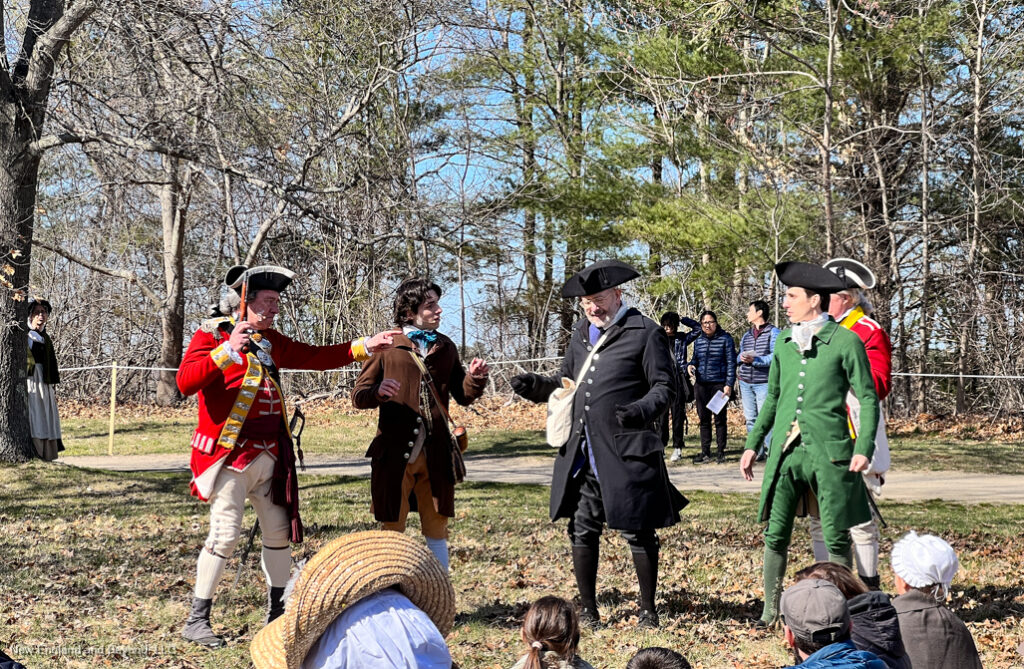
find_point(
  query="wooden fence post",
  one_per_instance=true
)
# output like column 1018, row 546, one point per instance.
column 113, row 403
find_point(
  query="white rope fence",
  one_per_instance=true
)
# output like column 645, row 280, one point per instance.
column 115, row 368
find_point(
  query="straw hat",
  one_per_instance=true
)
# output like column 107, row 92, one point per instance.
column 343, row 572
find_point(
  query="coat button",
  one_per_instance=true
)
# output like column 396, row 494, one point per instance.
column 590, row 380
column 581, row 421
column 804, row 361
column 798, row 411
column 418, row 419
column 803, row 374
column 596, row 356
column 587, row 393
column 411, row 444
column 416, row 431
column 586, row 408
column 407, row 456
column 799, row 399
column 801, row 386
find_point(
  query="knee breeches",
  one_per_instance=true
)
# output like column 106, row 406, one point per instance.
column 227, row 506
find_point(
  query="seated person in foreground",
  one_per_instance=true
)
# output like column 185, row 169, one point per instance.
column 656, row 657
column 365, row 598
column 875, row 627
column 816, row 622
column 933, row 635
column 551, row 632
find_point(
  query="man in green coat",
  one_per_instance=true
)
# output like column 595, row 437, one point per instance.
column 815, row 363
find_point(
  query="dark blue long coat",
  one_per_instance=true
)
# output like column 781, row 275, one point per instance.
column 633, row 366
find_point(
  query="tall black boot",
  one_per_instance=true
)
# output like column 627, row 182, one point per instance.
column 584, row 564
column 275, row 604
column 646, row 564
column 197, row 626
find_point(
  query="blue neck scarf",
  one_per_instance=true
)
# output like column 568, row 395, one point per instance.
column 426, row 337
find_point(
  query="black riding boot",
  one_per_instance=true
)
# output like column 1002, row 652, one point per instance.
column 646, row 564
column 584, row 564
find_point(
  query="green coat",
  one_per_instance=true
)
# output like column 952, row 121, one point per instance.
column 811, row 388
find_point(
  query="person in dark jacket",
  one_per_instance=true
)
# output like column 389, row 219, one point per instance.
column 875, row 626
column 611, row 470
column 671, row 321
column 714, row 366
column 43, row 374
column 934, row 636
column 817, row 626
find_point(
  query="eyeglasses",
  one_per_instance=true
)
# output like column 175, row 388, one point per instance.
column 709, row 322
column 598, row 300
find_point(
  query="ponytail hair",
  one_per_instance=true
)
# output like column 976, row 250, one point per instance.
column 552, row 624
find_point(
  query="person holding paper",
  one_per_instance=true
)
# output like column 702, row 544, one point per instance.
column 714, row 365
column 611, row 470
column 816, row 363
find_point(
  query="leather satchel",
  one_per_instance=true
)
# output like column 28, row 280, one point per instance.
column 559, row 423
column 458, row 434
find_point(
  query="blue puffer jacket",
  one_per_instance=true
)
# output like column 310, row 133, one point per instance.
column 842, row 655
column 715, row 358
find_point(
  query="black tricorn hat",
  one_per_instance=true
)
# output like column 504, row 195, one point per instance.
column 264, row 277
column 854, row 274
column 807, row 275
column 602, row 275
column 34, row 302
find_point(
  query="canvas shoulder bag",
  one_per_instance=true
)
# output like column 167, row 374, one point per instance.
column 559, row 424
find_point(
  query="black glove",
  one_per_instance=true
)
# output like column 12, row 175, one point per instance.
column 523, row 384
column 629, row 415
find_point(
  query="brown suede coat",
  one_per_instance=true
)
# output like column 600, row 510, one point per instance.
column 400, row 417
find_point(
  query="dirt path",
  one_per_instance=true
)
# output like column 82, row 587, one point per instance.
column 900, row 485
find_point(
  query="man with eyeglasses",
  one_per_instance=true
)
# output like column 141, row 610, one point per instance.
column 612, row 470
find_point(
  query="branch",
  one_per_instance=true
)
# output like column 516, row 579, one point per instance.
column 119, row 273
column 44, row 55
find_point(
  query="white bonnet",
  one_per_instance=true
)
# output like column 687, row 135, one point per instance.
column 924, row 560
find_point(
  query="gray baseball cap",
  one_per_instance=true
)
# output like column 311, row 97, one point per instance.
column 815, row 610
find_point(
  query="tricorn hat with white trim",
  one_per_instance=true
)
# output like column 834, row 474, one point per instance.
column 264, row 277
column 853, row 273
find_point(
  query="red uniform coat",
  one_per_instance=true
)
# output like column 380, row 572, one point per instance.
column 879, row 350
column 218, row 389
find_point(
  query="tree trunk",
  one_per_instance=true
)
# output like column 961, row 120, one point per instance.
column 17, row 215
column 172, row 315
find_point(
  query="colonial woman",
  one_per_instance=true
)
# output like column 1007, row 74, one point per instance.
column 43, row 375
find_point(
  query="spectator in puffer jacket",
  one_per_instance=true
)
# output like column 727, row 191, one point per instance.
column 714, row 365
column 756, row 348
column 875, row 626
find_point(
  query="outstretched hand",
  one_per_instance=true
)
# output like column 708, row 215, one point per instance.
column 747, row 464
column 382, row 341
column 478, row 368
column 629, row 416
column 522, row 384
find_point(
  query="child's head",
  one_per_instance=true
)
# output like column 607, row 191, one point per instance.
column 925, row 563
column 837, row 575
column 551, row 624
column 657, row 658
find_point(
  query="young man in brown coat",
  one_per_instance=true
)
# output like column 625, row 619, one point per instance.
column 411, row 456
